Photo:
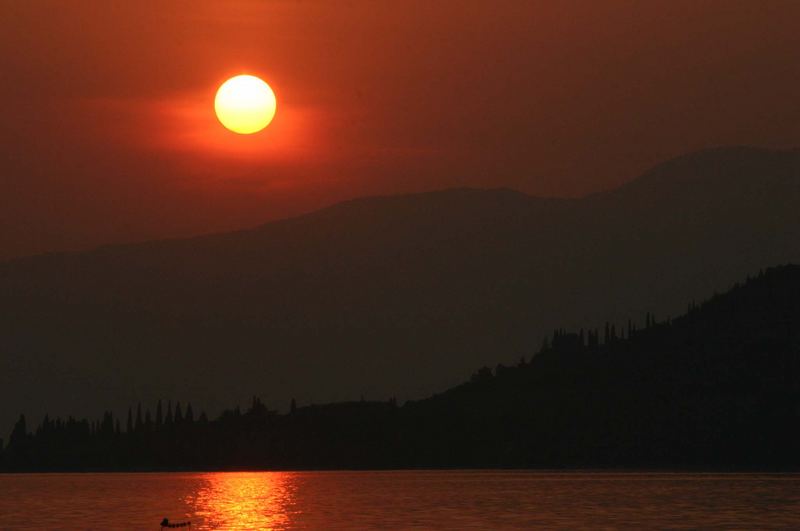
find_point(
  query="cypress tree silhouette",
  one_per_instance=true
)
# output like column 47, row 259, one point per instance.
column 129, row 422
column 159, row 414
column 138, row 426
column 45, row 428
column 107, row 425
column 189, row 414
column 178, row 413
column 19, row 434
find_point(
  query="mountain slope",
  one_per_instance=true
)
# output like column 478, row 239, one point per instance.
column 717, row 388
column 383, row 296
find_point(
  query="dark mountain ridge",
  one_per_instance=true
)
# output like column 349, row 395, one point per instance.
column 389, row 296
column 716, row 388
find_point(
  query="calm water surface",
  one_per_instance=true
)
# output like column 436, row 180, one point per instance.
column 400, row 500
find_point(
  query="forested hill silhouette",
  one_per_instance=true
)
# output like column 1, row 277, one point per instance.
column 718, row 387
column 390, row 296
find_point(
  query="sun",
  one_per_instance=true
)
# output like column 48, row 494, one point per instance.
column 245, row 104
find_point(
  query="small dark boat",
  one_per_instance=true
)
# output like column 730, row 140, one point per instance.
column 165, row 523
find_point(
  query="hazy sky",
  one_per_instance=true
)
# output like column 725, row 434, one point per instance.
column 108, row 133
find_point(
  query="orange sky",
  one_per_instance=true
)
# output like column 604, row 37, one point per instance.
column 108, row 133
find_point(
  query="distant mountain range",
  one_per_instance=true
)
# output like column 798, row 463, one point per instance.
column 385, row 296
column 716, row 388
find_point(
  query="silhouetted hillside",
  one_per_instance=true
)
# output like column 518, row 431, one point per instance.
column 390, row 296
column 718, row 387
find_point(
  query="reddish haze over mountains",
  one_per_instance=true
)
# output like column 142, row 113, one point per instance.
column 108, row 132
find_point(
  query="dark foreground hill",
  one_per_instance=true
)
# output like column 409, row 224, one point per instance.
column 392, row 296
column 718, row 387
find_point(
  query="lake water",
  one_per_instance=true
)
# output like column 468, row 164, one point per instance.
column 400, row 500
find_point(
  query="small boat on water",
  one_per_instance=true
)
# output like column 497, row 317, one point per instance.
column 165, row 523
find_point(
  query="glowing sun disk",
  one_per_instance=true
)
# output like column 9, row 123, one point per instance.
column 245, row 104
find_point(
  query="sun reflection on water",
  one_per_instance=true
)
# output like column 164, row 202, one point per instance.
column 245, row 500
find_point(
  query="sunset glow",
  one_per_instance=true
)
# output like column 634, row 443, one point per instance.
column 245, row 104
column 493, row 264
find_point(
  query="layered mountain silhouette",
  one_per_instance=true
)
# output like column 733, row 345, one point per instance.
column 716, row 388
column 386, row 296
